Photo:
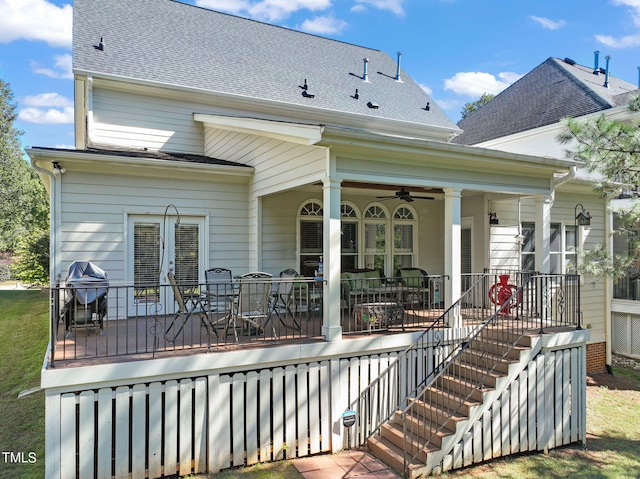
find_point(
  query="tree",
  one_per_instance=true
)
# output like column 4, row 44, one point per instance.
column 611, row 150
column 24, row 212
column 470, row 107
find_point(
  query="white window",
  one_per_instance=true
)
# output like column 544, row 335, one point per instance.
column 404, row 241
column 310, row 236
column 349, row 240
column 528, row 258
column 562, row 247
column 376, row 226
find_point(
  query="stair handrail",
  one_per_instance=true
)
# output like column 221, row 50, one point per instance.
column 448, row 363
column 439, row 323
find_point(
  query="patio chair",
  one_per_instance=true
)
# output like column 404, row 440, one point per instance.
column 219, row 288
column 283, row 297
column 416, row 282
column 252, row 307
column 187, row 307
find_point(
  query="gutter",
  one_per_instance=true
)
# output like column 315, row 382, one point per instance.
column 565, row 178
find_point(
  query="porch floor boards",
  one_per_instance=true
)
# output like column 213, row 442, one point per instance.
column 140, row 338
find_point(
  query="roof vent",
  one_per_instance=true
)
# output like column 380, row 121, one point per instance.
column 100, row 46
column 569, row 61
column 305, row 86
column 365, row 74
column 306, row 94
column 355, row 96
column 427, row 108
column 606, row 72
column 373, row 105
column 596, row 66
column 398, row 67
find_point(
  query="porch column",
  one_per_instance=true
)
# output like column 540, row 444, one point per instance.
column 452, row 247
column 331, row 324
column 543, row 233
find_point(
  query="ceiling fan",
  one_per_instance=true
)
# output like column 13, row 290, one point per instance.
column 405, row 195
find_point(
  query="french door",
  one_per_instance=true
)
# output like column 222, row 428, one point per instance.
column 157, row 246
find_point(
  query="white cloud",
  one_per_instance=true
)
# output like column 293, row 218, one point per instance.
column 47, row 99
column 35, row 20
column 394, row 6
column 474, row 84
column 621, row 42
column 49, row 116
column 323, row 25
column 358, row 8
column 62, row 68
column 548, row 23
column 47, row 108
column 627, row 41
column 265, row 10
column 634, row 7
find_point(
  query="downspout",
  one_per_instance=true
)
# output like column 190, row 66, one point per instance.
column 53, row 217
column 53, row 245
column 608, row 293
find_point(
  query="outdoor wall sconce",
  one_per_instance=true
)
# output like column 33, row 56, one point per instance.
column 582, row 218
column 493, row 218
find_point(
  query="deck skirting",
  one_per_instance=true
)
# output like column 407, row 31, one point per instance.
column 207, row 421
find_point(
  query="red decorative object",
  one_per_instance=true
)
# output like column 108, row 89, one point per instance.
column 505, row 293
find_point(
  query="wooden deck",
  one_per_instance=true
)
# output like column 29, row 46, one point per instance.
column 139, row 338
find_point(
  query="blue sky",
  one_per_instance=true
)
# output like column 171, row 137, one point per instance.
column 455, row 49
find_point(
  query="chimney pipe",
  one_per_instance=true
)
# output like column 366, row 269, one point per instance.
column 398, row 67
column 596, row 66
column 365, row 75
column 606, row 71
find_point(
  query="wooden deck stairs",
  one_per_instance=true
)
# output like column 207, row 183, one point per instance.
column 444, row 412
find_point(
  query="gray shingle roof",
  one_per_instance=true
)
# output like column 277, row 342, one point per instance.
column 151, row 155
column 553, row 90
column 168, row 42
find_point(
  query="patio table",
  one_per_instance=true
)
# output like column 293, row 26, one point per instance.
column 399, row 293
column 379, row 314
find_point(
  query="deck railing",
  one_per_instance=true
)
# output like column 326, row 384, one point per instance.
column 148, row 319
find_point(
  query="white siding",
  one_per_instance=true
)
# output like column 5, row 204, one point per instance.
column 95, row 208
column 278, row 164
column 140, row 121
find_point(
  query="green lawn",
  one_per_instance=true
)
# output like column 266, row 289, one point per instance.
column 23, row 342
